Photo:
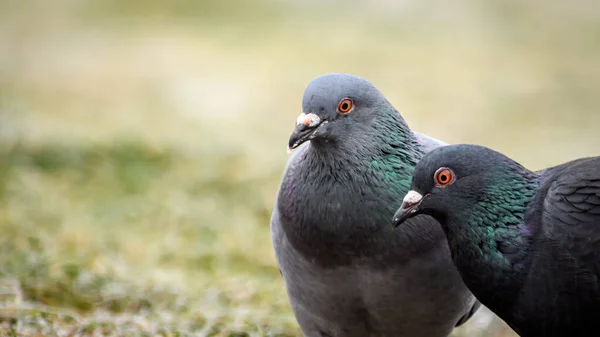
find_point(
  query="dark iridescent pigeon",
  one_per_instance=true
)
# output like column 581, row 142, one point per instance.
column 526, row 243
column 347, row 272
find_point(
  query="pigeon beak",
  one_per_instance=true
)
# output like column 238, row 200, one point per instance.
column 306, row 129
column 409, row 208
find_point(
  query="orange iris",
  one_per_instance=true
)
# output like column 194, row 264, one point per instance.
column 345, row 106
column 443, row 176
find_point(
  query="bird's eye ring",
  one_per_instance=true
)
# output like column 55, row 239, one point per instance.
column 345, row 106
column 443, row 177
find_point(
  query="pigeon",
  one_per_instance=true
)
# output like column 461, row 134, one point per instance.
column 347, row 272
column 527, row 244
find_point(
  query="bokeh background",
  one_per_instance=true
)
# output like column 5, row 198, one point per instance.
column 142, row 142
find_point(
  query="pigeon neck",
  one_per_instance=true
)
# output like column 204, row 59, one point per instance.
column 387, row 144
column 491, row 247
column 381, row 157
column 337, row 205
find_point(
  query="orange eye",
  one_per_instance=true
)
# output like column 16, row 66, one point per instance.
column 345, row 106
column 443, row 176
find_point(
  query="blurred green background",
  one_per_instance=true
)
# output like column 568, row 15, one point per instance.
column 142, row 143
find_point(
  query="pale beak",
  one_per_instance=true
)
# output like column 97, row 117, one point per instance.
column 409, row 208
column 306, row 127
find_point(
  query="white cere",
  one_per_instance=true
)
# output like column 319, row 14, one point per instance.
column 309, row 120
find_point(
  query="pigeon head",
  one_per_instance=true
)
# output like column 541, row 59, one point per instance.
column 336, row 108
column 453, row 179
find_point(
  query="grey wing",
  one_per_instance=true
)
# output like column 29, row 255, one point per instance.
column 277, row 234
column 466, row 317
column 571, row 214
column 427, row 142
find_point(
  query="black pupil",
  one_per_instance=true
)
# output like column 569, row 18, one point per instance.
column 443, row 178
column 344, row 106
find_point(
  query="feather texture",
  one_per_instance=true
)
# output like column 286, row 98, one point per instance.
column 347, row 271
column 527, row 244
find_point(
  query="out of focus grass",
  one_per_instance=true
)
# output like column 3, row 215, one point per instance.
column 141, row 144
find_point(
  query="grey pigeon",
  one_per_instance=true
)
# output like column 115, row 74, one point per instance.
column 346, row 271
column 526, row 243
